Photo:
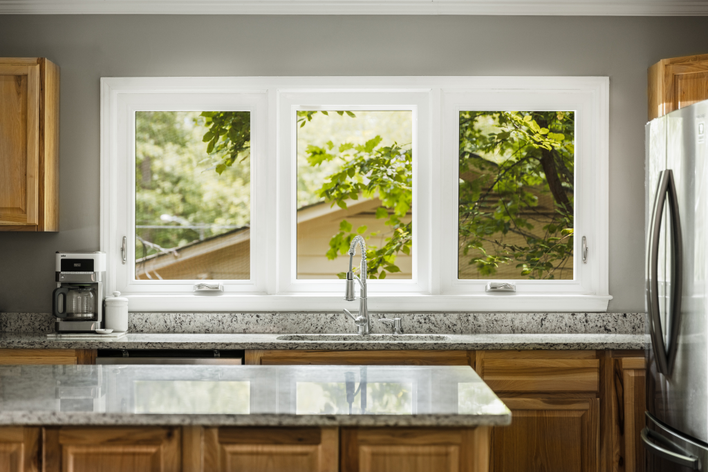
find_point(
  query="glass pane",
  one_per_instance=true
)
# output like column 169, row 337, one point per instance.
column 515, row 208
column 192, row 195
column 354, row 176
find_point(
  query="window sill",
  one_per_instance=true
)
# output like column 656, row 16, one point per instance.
column 381, row 303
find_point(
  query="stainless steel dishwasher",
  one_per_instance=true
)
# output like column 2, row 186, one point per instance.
column 170, row 356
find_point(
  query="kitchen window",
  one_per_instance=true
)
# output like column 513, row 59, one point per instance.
column 256, row 186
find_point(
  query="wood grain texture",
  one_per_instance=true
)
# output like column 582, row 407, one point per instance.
column 304, row 357
column 29, row 145
column 634, row 408
column 115, row 449
column 271, row 449
column 192, row 449
column 541, row 375
column 49, row 147
column 20, row 449
column 414, row 449
column 676, row 83
column 45, row 356
column 621, row 450
column 548, row 434
column 19, row 143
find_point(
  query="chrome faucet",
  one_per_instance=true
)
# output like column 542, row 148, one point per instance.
column 362, row 320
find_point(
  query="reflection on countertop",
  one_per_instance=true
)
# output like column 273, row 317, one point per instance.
column 248, row 396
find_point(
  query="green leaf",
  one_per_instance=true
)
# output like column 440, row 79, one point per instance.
column 381, row 212
column 345, row 226
column 362, row 229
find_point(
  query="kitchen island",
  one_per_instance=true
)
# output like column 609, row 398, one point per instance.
column 256, row 418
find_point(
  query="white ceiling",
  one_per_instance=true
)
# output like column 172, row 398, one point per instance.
column 361, row 7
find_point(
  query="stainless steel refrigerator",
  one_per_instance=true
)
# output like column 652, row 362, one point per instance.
column 676, row 436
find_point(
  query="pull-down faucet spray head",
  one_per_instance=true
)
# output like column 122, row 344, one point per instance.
column 349, row 295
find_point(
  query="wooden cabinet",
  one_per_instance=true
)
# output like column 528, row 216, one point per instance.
column 229, row 449
column 554, row 399
column 29, row 145
column 47, row 357
column 20, row 449
column 114, row 449
column 676, row 83
column 306, row 357
column 415, row 449
column 627, row 404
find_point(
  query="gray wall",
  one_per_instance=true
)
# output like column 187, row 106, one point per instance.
column 89, row 47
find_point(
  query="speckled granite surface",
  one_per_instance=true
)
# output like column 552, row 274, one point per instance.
column 247, row 396
column 424, row 323
column 355, row 343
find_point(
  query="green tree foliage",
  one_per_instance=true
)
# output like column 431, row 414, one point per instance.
column 498, row 195
column 175, row 177
column 372, row 171
column 534, row 156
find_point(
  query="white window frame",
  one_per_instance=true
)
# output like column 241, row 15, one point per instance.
column 291, row 101
column 435, row 102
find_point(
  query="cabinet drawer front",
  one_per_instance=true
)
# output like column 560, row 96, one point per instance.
column 542, row 375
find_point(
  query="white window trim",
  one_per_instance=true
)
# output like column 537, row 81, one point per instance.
column 435, row 101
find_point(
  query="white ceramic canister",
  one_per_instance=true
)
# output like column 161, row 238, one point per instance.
column 116, row 317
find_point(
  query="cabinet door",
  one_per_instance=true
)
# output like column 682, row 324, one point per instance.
column 676, row 83
column 106, row 449
column 269, row 450
column 553, row 396
column 19, row 144
column 548, row 433
column 415, row 449
column 305, row 357
column 19, row 449
column 628, row 415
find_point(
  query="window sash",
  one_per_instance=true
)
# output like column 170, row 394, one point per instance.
column 391, row 100
column 435, row 102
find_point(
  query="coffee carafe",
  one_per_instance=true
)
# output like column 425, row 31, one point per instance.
column 74, row 302
column 77, row 302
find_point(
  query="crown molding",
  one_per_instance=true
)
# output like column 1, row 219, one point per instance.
column 360, row 7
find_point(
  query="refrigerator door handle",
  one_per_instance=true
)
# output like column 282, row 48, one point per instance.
column 665, row 448
column 664, row 358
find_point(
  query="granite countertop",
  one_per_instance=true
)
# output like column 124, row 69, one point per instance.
column 248, row 396
column 343, row 342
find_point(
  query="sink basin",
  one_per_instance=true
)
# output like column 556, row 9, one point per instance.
column 369, row 338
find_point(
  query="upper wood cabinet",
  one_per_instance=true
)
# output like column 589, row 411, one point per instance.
column 29, row 145
column 676, row 83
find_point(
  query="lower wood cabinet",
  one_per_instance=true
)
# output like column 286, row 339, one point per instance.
column 112, row 449
column 415, row 449
column 548, row 433
column 20, row 449
column 310, row 357
column 571, row 411
column 555, row 405
column 47, row 356
column 269, row 450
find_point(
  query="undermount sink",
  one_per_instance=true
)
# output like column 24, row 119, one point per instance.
column 367, row 338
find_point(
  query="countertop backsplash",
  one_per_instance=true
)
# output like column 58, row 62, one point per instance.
column 413, row 323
